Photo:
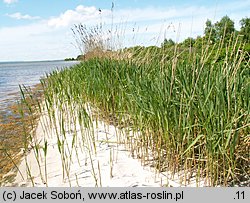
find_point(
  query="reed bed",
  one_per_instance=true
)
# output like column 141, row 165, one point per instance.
column 187, row 113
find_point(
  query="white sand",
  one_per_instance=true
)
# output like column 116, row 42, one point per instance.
column 111, row 165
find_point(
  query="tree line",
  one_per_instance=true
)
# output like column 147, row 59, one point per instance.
column 214, row 33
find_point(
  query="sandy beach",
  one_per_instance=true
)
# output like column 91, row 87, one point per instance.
column 110, row 162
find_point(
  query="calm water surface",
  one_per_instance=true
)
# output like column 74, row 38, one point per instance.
column 13, row 74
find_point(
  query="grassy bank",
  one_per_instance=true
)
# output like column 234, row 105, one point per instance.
column 192, row 111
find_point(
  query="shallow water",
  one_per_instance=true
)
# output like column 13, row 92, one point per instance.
column 13, row 74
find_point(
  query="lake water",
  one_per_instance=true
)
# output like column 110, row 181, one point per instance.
column 13, row 74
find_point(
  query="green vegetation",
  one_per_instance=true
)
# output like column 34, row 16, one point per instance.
column 219, row 37
column 69, row 59
column 189, row 101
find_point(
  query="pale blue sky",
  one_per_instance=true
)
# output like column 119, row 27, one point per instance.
column 40, row 29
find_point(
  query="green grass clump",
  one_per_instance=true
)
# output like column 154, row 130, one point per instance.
column 192, row 112
column 190, row 107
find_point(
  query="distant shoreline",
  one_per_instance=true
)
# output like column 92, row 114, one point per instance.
column 30, row 61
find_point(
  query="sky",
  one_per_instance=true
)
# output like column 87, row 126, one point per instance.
column 41, row 29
